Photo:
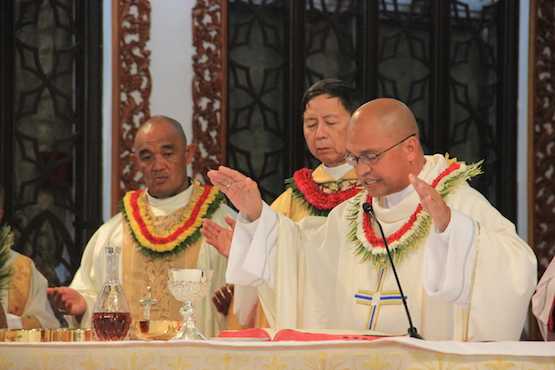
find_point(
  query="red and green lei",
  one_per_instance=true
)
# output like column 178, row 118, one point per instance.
column 370, row 246
column 310, row 193
column 205, row 200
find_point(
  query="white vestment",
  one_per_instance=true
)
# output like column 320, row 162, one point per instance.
column 37, row 304
column 90, row 277
column 543, row 301
column 246, row 298
column 471, row 282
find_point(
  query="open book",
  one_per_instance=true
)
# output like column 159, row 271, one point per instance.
column 305, row 335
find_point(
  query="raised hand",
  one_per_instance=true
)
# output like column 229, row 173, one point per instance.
column 68, row 301
column 222, row 298
column 218, row 236
column 239, row 189
column 432, row 203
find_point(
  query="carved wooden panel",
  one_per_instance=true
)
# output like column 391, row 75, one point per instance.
column 209, row 84
column 50, row 105
column 543, row 105
column 132, row 85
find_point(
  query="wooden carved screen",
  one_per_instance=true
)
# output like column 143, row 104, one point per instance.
column 132, row 83
column 131, row 86
column 209, row 84
column 453, row 62
column 542, row 107
column 50, row 130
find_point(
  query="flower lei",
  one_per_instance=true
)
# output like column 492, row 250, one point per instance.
column 317, row 202
column 204, row 201
column 370, row 247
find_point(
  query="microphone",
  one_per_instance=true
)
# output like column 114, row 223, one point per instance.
column 413, row 333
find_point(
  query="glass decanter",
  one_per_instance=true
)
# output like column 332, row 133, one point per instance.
column 111, row 318
column 188, row 285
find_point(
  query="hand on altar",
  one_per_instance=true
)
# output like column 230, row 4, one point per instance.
column 240, row 190
column 222, row 298
column 432, row 203
column 68, row 301
column 218, row 236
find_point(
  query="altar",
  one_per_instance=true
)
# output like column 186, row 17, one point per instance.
column 385, row 353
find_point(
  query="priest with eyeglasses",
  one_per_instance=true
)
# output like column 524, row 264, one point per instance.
column 465, row 273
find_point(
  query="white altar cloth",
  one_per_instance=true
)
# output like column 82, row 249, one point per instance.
column 386, row 353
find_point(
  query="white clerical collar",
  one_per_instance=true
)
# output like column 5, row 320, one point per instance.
column 391, row 200
column 167, row 205
column 338, row 172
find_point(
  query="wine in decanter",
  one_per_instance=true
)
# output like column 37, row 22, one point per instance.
column 111, row 318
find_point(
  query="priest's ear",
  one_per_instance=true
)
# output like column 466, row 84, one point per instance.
column 190, row 151
column 412, row 148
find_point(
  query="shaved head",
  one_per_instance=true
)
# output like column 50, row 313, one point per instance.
column 162, row 120
column 389, row 116
column 386, row 131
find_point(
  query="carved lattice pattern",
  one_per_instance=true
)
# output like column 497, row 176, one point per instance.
column 459, row 89
column 474, row 91
column 544, row 133
column 209, row 83
column 134, row 85
column 46, row 132
column 405, row 59
column 257, row 84
column 331, row 40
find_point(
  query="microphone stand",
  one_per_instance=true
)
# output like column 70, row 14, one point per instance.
column 412, row 331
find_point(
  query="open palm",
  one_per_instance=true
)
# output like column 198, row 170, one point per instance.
column 218, row 236
column 241, row 190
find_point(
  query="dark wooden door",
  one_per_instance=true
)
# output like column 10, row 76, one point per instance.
column 50, row 133
column 454, row 63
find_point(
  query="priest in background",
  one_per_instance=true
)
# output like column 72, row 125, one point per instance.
column 23, row 298
column 543, row 303
column 328, row 105
column 172, row 208
column 465, row 272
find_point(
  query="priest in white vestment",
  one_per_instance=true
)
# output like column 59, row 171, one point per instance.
column 328, row 105
column 158, row 229
column 25, row 302
column 465, row 273
column 543, row 302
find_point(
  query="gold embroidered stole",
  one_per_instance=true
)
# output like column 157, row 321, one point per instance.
column 140, row 271
column 329, row 185
column 3, row 319
column 20, row 287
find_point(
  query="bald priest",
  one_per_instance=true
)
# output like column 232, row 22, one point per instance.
column 466, row 275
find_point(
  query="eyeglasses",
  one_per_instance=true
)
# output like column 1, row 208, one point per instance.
column 370, row 159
